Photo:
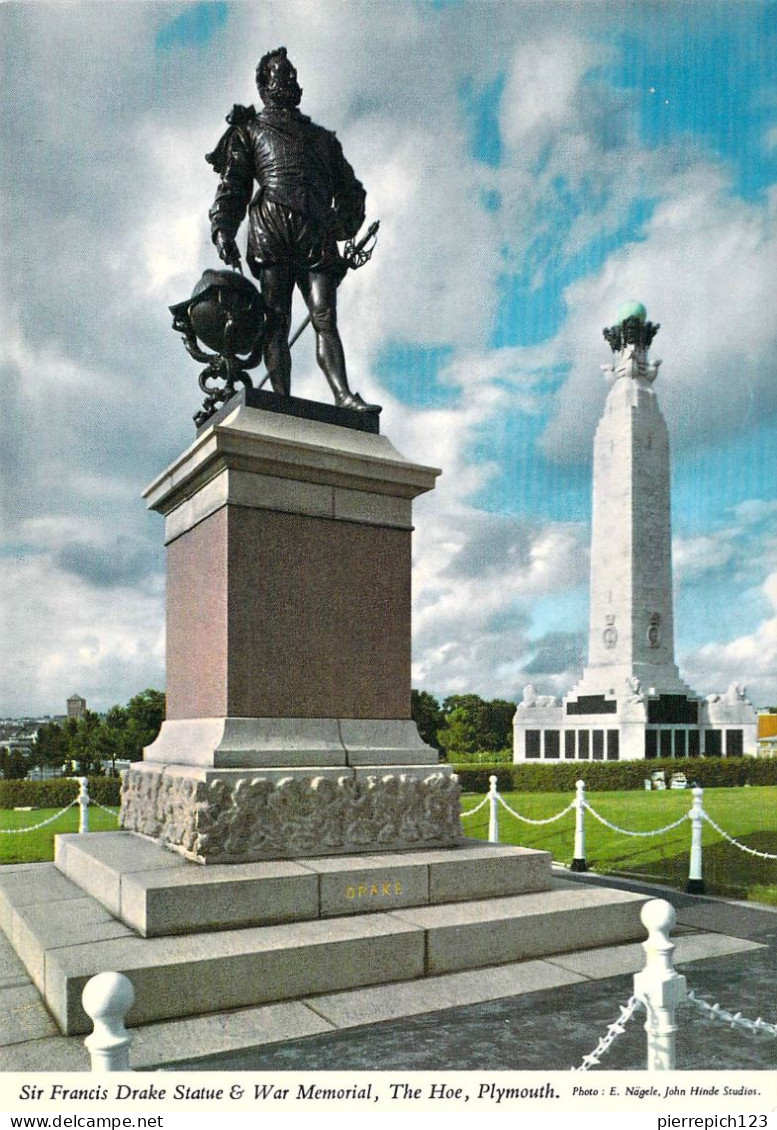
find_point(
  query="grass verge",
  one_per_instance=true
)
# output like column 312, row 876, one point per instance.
column 38, row 846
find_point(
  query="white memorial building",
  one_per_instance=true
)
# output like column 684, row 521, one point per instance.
column 631, row 702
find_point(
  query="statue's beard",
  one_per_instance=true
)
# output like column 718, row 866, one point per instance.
column 286, row 95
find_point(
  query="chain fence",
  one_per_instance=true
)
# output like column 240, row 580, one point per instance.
column 617, row 1028
column 736, row 843
column 527, row 819
column 43, row 823
column 695, row 817
column 111, row 811
column 477, row 808
column 630, row 832
column 83, row 800
column 757, row 1028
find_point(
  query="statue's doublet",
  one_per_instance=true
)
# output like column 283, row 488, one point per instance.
column 294, row 163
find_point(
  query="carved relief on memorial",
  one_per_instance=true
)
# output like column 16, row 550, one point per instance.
column 654, row 630
column 256, row 818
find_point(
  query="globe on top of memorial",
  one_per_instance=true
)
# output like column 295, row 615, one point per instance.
column 631, row 328
column 631, row 309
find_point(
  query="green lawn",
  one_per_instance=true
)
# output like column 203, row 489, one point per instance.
column 747, row 814
column 38, row 846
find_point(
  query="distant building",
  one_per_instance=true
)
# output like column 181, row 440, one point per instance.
column 76, row 707
column 767, row 734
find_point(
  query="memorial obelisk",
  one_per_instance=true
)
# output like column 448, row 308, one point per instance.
column 631, row 701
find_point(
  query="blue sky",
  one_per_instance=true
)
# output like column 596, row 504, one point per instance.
column 533, row 165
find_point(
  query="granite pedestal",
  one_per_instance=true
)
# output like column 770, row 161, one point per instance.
column 288, row 649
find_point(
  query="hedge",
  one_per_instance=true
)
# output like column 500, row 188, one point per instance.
column 617, row 776
column 599, row 776
column 57, row 792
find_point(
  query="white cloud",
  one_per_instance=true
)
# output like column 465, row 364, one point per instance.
column 742, row 548
column 106, row 203
column 750, row 659
column 702, row 269
column 546, row 98
column 693, row 557
column 475, row 578
column 62, row 634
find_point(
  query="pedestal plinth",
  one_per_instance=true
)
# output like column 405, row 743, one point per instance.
column 288, row 649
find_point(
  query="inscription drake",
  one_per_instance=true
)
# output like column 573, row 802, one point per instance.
column 374, row 890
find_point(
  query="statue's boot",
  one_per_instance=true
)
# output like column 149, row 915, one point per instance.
column 354, row 401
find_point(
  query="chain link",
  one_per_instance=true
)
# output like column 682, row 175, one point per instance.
column 617, row 1028
column 34, row 827
column 736, row 843
column 628, row 831
column 477, row 808
column 528, row 820
column 112, row 811
column 757, row 1027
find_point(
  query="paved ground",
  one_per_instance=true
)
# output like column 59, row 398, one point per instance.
column 530, row 1015
column 550, row 1029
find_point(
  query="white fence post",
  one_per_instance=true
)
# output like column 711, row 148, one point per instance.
column 658, row 986
column 83, row 804
column 578, row 861
column 107, row 998
column 493, row 812
column 695, row 884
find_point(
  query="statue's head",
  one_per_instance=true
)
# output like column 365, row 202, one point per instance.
column 276, row 78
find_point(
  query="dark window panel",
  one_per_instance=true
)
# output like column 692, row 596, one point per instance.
column 592, row 704
column 713, row 743
column 735, row 746
column 673, row 709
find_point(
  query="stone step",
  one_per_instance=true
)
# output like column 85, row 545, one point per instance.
column 157, row 892
column 64, row 938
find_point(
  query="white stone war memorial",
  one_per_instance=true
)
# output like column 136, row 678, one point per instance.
column 631, row 702
column 288, row 835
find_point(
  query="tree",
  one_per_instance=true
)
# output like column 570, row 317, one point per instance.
column 145, row 715
column 426, row 713
column 14, row 764
column 499, row 721
column 459, row 734
column 85, row 747
column 49, row 750
column 490, row 722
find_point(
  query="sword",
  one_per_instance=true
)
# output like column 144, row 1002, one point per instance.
column 355, row 255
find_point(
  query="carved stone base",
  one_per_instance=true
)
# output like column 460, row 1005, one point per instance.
column 239, row 817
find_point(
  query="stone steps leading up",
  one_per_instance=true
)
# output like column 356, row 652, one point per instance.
column 64, row 937
column 158, row 892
